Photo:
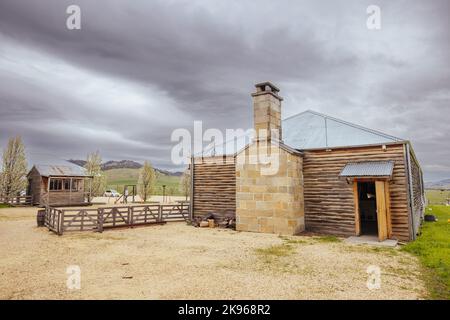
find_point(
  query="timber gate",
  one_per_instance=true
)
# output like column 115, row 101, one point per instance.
column 62, row 220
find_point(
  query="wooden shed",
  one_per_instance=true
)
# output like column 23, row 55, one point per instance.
column 354, row 180
column 59, row 185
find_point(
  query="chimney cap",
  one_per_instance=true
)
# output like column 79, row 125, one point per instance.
column 267, row 88
column 262, row 87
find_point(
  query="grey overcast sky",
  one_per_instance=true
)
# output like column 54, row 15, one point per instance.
column 139, row 69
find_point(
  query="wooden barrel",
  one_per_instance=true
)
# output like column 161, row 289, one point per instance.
column 40, row 218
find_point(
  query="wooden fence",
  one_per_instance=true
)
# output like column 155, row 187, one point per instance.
column 17, row 201
column 62, row 220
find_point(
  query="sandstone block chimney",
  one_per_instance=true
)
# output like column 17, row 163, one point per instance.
column 267, row 112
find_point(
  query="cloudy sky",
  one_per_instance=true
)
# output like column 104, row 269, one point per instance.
column 137, row 70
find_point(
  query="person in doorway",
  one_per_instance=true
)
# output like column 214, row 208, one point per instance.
column 125, row 195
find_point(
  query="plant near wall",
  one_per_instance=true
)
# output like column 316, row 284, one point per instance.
column 93, row 167
column 147, row 179
column 185, row 183
column 13, row 176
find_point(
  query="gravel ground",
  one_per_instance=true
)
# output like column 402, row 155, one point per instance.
column 176, row 261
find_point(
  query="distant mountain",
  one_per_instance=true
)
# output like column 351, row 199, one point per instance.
column 122, row 164
column 445, row 184
column 169, row 173
column 125, row 164
column 80, row 163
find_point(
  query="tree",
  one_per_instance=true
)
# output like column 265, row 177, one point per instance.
column 185, row 183
column 13, row 177
column 171, row 192
column 93, row 167
column 147, row 179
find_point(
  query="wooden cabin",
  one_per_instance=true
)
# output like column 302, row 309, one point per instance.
column 334, row 177
column 59, row 185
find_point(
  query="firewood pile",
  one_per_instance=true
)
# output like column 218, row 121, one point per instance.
column 227, row 220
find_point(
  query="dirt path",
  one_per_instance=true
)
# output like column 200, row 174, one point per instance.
column 175, row 261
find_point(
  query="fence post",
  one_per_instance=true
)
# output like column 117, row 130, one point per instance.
column 46, row 216
column 160, row 213
column 60, row 222
column 130, row 216
column 83, row 213
column 100, row 220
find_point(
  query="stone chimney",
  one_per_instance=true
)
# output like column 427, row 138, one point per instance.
column 267, row 112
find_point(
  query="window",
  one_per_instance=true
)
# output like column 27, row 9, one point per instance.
column 75, row 185
column 56, row 184
column 66, row 184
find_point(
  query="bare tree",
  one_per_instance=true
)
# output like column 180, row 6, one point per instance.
column 147, row 179
column 93, row 167
column 185, row 183
column 13, row 178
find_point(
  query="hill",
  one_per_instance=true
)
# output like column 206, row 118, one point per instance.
column 125, row 164
column 80, row 163
column 445, row 184
column 118, row 178
column 122, row 164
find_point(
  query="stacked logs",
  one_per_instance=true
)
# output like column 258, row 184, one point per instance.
column 212, row 219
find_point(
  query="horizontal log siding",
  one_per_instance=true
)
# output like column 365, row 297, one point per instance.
column 214, row 185
column 329, row 204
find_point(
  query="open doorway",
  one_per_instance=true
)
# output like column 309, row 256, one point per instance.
column 367, row 208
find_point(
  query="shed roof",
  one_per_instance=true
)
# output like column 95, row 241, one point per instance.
column 53, row 165
column 313, row 130
column 66, row 170
column 368, row 169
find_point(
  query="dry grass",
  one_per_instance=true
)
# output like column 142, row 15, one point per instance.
column 176, row 261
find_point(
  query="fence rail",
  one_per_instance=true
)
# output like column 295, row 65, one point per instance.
column 17, row 201
column 62, row 220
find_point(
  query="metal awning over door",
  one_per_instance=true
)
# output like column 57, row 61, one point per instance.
column 368, row 169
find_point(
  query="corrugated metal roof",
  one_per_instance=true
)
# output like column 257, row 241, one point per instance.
column 309, row 130
column 229, row 147
column 313, row 130
column 52, row 165
column 69, row 170
column 368, row 169
column 235, row 146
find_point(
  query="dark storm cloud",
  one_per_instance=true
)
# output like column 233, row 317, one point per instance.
column 140, row 69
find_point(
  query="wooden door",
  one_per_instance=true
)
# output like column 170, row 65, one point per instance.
column 383, row 214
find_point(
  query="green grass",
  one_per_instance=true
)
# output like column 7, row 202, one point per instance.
column 291, row 240
column 437, row 196
column 281, row 250
column 118, row 178
column 328, row 239
column 4, row 205
column 433, row 249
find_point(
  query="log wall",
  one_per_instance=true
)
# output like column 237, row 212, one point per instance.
column 329, row 203
column 214, row 185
